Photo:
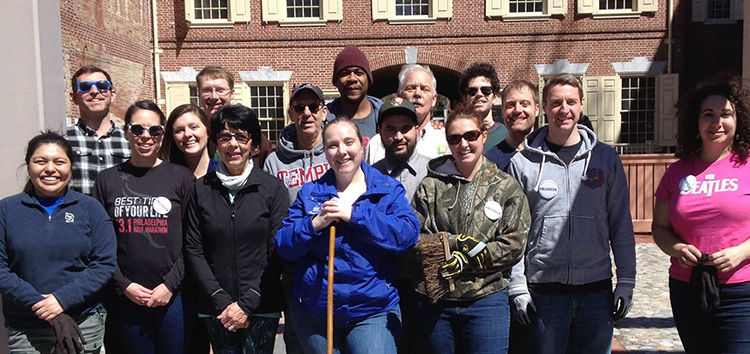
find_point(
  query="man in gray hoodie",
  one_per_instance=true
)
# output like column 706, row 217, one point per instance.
column 580, row 210
column 299, row 159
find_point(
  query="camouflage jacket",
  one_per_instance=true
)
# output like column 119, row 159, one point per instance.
column 491, row 207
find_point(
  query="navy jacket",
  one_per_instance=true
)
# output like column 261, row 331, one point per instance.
column 70, row 255
column 382, row 225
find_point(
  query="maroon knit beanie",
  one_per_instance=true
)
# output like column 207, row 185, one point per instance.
column 351, row 56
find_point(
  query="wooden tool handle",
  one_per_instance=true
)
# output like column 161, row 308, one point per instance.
column 329, row 305
column 447, row 252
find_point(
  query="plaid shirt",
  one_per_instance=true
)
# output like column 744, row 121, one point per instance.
column 95, row 153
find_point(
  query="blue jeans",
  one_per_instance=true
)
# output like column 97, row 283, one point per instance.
column 138, row 329
column 376, row 334
column 727, row 330
column 580, row 322
column 472, row 326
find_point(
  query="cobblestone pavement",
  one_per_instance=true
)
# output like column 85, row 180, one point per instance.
column 649, row 327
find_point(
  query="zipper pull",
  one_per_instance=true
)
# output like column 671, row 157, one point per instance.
column 233, row 215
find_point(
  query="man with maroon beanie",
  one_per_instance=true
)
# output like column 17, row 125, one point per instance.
column 352, row 77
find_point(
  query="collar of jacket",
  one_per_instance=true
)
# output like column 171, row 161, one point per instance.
column 486, row 173
column 71, row 197
column 376, row 185
column 252, row 180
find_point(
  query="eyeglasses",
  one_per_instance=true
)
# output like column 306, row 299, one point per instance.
column 313, row 107
column 154, row 131
column 472, row 91
column 225, row 137
column 86, row 86
column 471, row 135
column 221, row 91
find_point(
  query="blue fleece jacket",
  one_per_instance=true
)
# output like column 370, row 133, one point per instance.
column 70, row 254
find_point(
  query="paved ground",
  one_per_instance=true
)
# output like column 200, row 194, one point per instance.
column 649, row 327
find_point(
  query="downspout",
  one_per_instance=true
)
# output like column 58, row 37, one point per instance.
column 670, row 15
column 157, row 51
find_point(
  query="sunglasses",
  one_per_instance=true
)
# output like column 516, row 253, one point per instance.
column 154, row 131
column 86, row 86
column 471, row 135
column 225, row 137
column 313, row 107
column 472, row 91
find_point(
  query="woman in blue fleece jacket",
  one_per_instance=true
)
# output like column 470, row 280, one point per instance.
column 57, row 250
column 374, row 223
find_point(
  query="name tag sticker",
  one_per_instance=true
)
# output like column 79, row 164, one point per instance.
column 687, row 183
column 548, row 189
column 162, row 205
column 493, row 210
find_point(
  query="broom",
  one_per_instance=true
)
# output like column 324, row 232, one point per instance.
column 433, row 252
column 329, row 305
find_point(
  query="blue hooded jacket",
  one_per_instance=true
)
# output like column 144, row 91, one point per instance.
column 382, row 225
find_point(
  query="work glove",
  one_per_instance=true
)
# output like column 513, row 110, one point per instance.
column 522, row 306
column 69, row 339
column 476, row 251
column 453, row 266
column 623, row 301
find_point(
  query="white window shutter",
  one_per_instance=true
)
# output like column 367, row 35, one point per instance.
column 189, row 11
column 592, row 88
column 442, row 8
column 602, row 106
column 495, row 8
column 699, row 10
column 273, row 10
column 557, row 7
column 738, row 10
column 587, row 6
column 668, row 95
column 332, row 10
column 240, row 10
column 177, row 94
column 647, row 5
column 383, row 9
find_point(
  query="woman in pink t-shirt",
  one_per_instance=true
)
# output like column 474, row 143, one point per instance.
column 701, row 217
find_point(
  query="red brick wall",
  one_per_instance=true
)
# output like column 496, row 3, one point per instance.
column 114, row 35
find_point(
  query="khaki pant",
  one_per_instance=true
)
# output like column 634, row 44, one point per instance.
column 41, row 340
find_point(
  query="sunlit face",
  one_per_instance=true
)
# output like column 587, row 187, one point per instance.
column 94, row 102
column 466, row 153
column 519, row 111
column 49, row 170
column 563, row 108
column 214, row 94
column 308, row 122
column 234, row 146
column 482, row 104
column 717, row 121
column 418, row 89
column 343, row 148
column 190, row 135
column 144, row 147
column 352, row 83
column 399, row 136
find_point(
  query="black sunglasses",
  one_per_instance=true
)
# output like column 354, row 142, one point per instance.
column 471, row 135
column 472, row 91
column 101, row 85
column 154, row 131
column 313, row 107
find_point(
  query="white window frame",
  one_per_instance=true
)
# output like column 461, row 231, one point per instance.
column 275, row 11
column 266, row 76
column 238, row 12
column 386, row 10
column 639, row 6
column 700, row 13
column 501, row 9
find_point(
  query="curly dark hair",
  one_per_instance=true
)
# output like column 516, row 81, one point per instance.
column 479, row 69
column 688, row 111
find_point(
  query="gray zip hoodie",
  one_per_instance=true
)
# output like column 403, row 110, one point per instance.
column 295, row 167
column 578, row 212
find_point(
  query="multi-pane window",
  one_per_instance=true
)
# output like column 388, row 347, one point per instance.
column 615, row 4
column 210, row 9
column 268, row 103
column 412, row 7
column 303, row 8
column 638, row 109
column 719, row 9
column 194, row 95
column 522, row 6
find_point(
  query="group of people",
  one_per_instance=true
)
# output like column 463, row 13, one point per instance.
column 476, row 237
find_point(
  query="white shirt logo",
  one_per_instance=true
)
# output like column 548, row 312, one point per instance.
column 69, row 218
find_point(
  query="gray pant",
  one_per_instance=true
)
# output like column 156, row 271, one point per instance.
column 41, row 340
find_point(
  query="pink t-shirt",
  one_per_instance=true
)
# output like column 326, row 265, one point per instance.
column 709, row 207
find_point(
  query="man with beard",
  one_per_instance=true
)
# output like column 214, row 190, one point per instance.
column 519, row 110
column 478, row 88
column 398, row 129
column 352, row 77
column 417, row 84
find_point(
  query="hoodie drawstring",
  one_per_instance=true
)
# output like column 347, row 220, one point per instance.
column 541, row 170
column 455, row 200
column 586, row 166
